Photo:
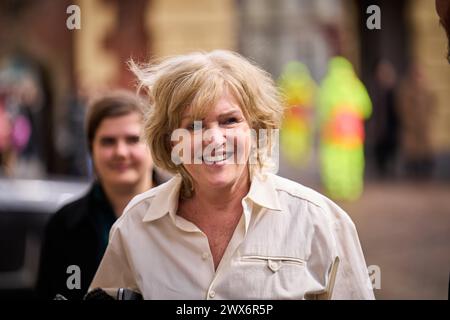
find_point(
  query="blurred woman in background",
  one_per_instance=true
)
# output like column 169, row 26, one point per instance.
column 77, row 235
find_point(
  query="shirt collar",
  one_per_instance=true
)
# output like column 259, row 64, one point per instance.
column 262, row 192
column 165, row 200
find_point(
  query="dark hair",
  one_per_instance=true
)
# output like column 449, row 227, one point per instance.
column 115, row 104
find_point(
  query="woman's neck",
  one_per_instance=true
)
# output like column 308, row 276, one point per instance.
column 208, row 202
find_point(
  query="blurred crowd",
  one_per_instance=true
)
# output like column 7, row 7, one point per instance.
column 384, row 130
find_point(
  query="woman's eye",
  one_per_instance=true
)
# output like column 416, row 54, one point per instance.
column 133, row 140
column 231, row 120
column 107, row 141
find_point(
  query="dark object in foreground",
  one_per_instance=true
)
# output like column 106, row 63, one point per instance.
column 100, row 294
column 122, row 294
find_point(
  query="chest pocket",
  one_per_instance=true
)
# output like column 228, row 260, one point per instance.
column 274, row 264
column 272, row 277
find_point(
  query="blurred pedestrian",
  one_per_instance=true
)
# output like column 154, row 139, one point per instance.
column 77, row 235
column 298, row 91
column 6, row 148
column 416, row 106
column 224, row 227
column 343, row 105
column 383, row 127
column 19, row 93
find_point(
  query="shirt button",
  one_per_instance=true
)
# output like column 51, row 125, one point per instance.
column 212, row 294
column 274, row 266
column 205, row 255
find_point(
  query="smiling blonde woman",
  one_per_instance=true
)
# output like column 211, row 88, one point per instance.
column 224, row 227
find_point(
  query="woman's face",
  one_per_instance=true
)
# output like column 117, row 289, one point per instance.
column 120, row 158
column 219, row 145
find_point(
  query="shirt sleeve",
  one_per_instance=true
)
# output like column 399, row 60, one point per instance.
column 115, row 270
column 351, row 279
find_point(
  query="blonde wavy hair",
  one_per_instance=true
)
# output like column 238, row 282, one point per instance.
column 198, row 80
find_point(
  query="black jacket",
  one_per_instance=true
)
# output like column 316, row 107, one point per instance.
column 76, row 235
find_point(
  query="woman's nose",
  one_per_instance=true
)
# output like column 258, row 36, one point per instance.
column 121, row 149
column 214, row 135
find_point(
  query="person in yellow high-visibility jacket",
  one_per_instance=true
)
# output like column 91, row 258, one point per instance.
column 343, row 104
column 298, row 90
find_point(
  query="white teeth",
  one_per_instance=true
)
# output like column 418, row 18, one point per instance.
column 217, row 158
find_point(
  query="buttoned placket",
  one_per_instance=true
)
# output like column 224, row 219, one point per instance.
column 236, row 240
